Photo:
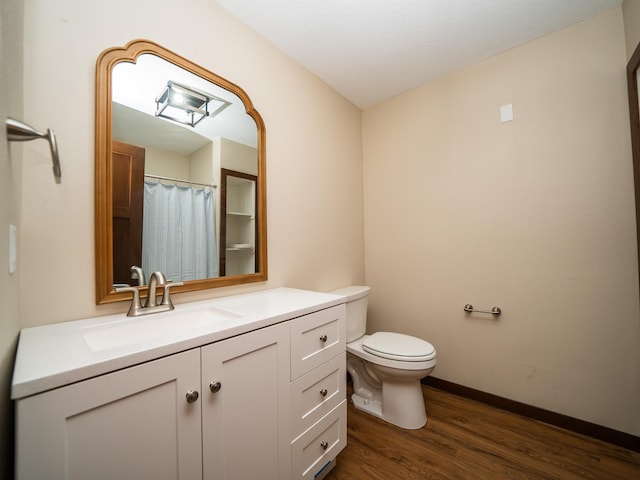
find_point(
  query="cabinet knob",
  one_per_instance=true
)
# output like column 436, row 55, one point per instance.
column 192, row 396
column 215, row 387
column 323, row 338
column 324, row 445
column 323, row 392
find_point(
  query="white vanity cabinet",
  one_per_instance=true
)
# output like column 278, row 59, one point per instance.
column 133, row 423
column 256, row 397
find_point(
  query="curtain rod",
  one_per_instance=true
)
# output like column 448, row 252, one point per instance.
column 177, row 180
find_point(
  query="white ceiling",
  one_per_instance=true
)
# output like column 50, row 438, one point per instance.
column 372, row 50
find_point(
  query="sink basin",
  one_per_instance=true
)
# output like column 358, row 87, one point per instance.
column 133, row 330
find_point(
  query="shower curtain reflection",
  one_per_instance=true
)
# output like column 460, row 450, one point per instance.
column 178, row 235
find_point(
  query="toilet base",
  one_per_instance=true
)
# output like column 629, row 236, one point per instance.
column 372, row 407
column 403, row 405
column 391, row 394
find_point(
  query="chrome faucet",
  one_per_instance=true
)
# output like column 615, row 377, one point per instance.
column 157, row 279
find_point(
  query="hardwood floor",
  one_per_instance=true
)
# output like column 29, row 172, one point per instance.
column 464, row 439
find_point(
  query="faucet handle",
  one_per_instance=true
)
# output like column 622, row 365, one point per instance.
column 135, row 301
column 137, row 274
column 166, row 299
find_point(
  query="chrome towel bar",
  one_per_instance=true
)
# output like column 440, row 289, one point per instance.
column 494, row 310
column 18, row 131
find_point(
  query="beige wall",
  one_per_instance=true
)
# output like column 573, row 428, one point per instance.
column 11, row 158
column 313, row 150
column 166, row 163
column 201, row 165
column 631, row 12
column 535, row 216
column 238, row 157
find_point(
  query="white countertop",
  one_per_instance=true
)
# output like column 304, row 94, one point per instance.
column 51, row 356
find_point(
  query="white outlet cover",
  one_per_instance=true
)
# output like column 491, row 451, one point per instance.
column 506, row 113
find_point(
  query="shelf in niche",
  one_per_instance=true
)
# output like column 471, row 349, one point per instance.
column 240, row 247
column 248, row 216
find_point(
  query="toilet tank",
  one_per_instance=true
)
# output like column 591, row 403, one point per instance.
column 357, row 299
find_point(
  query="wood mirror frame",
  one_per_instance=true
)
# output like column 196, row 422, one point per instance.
column 105, row 292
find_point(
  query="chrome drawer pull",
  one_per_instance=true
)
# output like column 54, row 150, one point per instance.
column 215, row 387
column 323, row 392
column 324, row 445
column 323, row 338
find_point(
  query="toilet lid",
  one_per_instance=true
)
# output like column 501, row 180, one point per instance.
column 396, row 346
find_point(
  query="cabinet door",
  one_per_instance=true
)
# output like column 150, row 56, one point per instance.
column 133, row 423
column 245, row 417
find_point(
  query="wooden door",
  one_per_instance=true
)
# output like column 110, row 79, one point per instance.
column 127, row 173
column 130, row 424
column 245, row 424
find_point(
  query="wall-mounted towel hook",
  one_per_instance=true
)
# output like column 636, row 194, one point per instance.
column 21, row 132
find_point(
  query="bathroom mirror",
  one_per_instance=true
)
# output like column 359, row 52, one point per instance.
column 166, row 129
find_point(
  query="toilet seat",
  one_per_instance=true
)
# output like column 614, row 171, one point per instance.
column 396, row 346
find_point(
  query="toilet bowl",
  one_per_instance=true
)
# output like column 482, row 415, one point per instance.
column 385, row 367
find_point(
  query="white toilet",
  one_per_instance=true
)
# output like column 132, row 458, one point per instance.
column 386, row 368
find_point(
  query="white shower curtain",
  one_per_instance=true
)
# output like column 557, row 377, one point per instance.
column 178, row 234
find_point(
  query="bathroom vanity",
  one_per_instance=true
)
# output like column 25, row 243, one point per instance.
column 249, row 386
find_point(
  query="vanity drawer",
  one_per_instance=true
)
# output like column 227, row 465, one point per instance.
column 316, row 338
column 315, row 448
column 317, row 393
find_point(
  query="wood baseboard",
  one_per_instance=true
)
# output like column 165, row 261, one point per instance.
column 609, row 435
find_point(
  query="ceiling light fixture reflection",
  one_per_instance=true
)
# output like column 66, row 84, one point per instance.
column 187, row 105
